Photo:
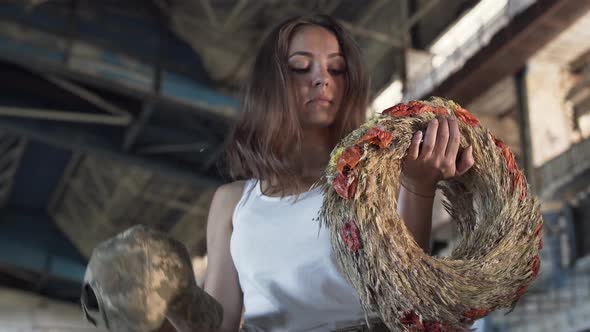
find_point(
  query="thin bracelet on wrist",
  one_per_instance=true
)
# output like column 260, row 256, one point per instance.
column 415, row 193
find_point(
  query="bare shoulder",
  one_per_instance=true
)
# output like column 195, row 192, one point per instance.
column 230, row 193
column 224, row 202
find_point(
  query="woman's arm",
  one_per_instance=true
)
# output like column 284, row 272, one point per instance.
column 221, row 278
column 426, row 164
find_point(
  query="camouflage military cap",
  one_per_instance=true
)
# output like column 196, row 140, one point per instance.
column 136, row 278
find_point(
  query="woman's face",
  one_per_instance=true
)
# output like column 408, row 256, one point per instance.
column 318, row 69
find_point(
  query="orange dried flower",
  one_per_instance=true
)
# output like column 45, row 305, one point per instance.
column 397, row 110
column 466, row 117
column 348, row 160
column 419, row 108
column 412, row 108
column 439, row 110
column 378, row 137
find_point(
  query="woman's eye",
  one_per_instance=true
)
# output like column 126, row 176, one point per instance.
column 337, row 72
column 306, row 70
column 300, row 70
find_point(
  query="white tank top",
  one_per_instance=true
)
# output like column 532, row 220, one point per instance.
column 286, row 267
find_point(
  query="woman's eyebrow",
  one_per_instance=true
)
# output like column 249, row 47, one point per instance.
column 309, row 54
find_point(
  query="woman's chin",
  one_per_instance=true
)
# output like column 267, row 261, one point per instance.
column 318, row 117
column 318, row 123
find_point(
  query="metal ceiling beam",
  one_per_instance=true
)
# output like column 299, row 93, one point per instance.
column 21, row 50
column 135, row 128
column 58, row 115
column 61, row 186
column 210, row 12
column 149, row 106
column 415, row 18
column 62, row 136
column 174, row 148
column 371, row 11
column 40, row 66
column 355, row 29
column 234, row 13
column 247, row 15
column 511, row 47
column 331, row 7
column 379, row 36
column 11, row 151
column 89, row 96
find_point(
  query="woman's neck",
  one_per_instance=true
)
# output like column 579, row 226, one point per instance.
column 314, row 154
column 310, row 161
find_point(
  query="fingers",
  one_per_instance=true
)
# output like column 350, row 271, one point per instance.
column 429, row 139
column 414, row 148
column 440, row 147
column 466, row 161
column 442, row 138
column 454, row 142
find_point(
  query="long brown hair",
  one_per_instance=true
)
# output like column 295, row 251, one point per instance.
column 268, row 130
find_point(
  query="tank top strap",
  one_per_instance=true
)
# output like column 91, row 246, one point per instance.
column 249, row 189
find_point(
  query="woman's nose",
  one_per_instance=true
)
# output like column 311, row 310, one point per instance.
column 320, row 78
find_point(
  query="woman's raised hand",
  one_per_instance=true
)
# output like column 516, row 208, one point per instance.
column 433, row 156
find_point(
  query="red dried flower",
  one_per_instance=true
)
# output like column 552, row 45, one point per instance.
column 518, row 181
column 378, row 137
column 345, row 185
column 349, row 158
column 536, row 266
column 397, row 110
column 516, row 176
column 411, row 108
column 409, row 317
column 439, row 110
column 538, row 230
column 419, row 108
column 521, row 291
column 466, row 117
column 434, row 327
column 538, row 233
column 475, row 314
column 351, row 236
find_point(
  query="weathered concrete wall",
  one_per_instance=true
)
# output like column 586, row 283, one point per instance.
column 550, row 130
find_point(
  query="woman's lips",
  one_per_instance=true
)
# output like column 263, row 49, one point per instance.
column 322, row 101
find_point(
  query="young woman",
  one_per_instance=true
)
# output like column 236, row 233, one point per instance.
column 307, row 90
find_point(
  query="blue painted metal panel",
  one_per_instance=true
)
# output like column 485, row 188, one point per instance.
column 40, row 170
column 118, row 48
column 182, row 87
column 110, row 66
column 38, row 17
column 32, row 242
column 16, row 48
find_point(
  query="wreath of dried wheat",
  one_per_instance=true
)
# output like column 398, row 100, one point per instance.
column 499, row 224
